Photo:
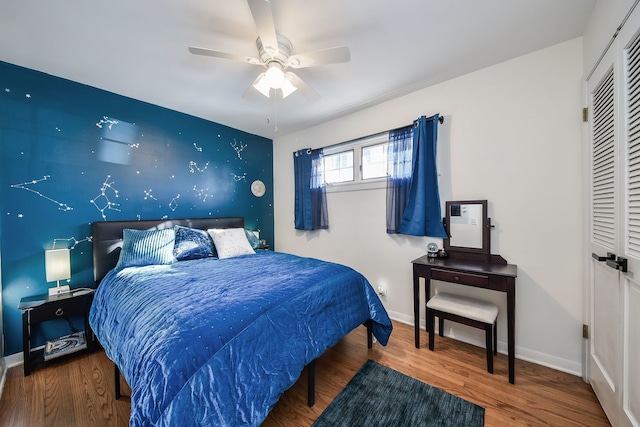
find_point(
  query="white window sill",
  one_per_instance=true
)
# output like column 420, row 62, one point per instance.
column 373, row 184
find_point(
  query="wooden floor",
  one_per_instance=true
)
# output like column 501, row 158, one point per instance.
column 78, row 390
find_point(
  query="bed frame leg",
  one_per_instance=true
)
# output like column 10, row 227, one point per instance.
column 116, row 372
column 311, row 383
column 369, row 324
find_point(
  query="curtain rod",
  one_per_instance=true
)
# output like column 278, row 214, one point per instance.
column 440, row 120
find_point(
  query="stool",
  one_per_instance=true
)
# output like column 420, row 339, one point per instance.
column 468, row 311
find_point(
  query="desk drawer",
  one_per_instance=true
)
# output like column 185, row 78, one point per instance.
column 63, row 308
column 458, row 277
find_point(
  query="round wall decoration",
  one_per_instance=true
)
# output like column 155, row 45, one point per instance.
column 257, row 188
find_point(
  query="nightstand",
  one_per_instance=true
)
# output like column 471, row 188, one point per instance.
column 41, row 308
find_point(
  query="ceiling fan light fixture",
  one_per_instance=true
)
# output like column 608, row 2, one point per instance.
column 287, row 88
column 275, row 55
column 274, row 78
column 274, row 75
column 262, row 86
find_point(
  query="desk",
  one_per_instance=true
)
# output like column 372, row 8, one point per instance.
column 496, row 275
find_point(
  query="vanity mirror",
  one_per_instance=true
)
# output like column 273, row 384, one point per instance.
column 468, row 228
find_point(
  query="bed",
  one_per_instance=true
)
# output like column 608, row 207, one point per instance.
column 216, row 340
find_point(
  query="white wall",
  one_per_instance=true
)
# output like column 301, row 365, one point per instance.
column 513, row 136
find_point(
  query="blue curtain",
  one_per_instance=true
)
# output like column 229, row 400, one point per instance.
column 420, row 215
column 398, row 175
column 310, row 191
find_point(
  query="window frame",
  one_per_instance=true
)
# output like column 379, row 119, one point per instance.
column 357, row 146
column 353, row 163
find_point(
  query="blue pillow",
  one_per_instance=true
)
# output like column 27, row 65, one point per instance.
column 192, row 243
column 146, row 247
column 252, row 238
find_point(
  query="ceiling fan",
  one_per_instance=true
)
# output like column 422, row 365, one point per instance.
column 274, row 51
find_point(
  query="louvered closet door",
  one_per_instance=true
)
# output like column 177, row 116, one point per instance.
column 613, row 362
column 604, row 370
column 630, row 250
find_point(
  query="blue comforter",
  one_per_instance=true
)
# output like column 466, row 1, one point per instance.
column 214, row 342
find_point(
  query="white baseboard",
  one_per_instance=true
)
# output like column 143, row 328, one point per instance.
column 550, row 361
column 14, row 360
column 3, row 374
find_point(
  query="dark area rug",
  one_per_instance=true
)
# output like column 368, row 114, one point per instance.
column 380, row 396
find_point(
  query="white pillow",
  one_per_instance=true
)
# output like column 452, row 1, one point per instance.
column 230, row 242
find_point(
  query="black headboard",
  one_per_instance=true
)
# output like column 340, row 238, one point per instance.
column 107, row 236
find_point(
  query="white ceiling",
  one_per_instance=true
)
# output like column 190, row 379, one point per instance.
column 138, row 48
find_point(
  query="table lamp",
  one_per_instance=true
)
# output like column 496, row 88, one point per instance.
column 58, row 267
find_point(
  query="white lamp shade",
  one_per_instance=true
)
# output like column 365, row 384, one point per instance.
column 274, row 75
column 57, row 264
column 274, row 78
column 263, row 86
column 287, row 88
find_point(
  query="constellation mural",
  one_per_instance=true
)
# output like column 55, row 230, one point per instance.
column 72, row 241
column 239, row 147
column 121, row 157
column 237, row 178
column 193, row 167
column 202, row 193
column 106, row 121
column 148, row 194
column 102, row 202
column 173, row 204
column 25, row 186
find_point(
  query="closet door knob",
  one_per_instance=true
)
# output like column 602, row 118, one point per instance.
column 618, row 264
column 610, row 256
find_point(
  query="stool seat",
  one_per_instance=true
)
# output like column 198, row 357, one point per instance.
column 464, row 306
column 468, row 311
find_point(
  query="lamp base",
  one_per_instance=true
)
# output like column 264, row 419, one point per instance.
column 59, row 290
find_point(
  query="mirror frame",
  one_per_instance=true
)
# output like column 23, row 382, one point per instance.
column 485, row 250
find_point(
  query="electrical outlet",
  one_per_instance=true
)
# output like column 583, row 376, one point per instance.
column 382, row 291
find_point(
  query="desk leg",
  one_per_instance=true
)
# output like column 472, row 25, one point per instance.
column 511, row 331
column 416, row 308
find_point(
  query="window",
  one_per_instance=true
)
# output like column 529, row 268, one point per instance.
column 374, row 161
column 359, row 164
column 338, row 167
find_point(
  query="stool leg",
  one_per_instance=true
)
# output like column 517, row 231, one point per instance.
column 489, row 344
column 441, row 326
column 431, row 328
column 495, row 337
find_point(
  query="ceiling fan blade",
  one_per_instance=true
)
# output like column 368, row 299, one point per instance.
column 332, row 55
column 263, row 17
column 219, row 54
column 304, row 88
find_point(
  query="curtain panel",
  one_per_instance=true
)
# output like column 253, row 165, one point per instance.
column 413, row 204
column 399, row 171
column 310, row 191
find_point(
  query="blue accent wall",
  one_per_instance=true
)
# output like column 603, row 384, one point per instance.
column 73, row 154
